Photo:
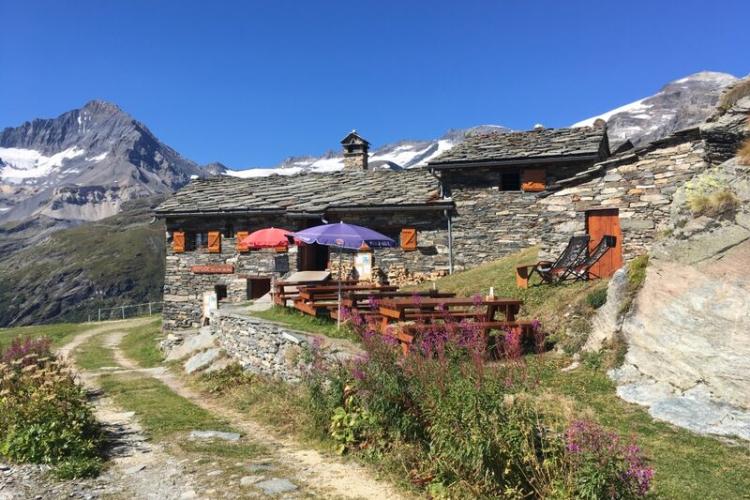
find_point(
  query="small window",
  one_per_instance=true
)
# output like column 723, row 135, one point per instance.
column 510, row 181
column 195, row 240
column 221, row 292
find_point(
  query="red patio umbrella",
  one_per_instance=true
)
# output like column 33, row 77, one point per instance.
column 271, row 237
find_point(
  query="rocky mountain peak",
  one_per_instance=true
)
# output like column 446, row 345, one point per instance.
column 679, row 104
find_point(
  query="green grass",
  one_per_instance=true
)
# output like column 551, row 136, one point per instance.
column 59, row 333
column 224, row 449
column 687, row 465
column 141, row 344
column 306, row 323
column 94, row 355
column 159, row 409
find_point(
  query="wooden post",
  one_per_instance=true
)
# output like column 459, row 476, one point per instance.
column 99, row 313
column 149, row 308
column 123, row 312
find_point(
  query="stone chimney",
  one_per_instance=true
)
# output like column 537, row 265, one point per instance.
column 355, row 151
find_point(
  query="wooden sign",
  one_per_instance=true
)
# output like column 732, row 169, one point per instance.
column 213, row 269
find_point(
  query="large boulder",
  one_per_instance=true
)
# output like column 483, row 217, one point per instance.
column 688, row 338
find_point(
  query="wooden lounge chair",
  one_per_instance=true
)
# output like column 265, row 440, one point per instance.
column 553, row 272
column 583, row 271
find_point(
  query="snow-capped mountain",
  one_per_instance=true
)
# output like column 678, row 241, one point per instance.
column 83, row 164
column 678, row 105
column 395, row 156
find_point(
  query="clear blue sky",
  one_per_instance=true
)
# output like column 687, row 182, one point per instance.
column 249, row 83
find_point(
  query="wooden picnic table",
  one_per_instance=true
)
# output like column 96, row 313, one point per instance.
column 353, row 299
column 436, row 308
column 312, row 292
column 315, row 300
column 289, row 290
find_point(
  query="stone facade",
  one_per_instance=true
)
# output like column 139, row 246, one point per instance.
column 184, row 288
column 489, row 223
column 640, row 185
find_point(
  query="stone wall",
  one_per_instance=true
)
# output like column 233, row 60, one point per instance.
column 264, row 347
column 640, row 185
column 490, row 223
column 183, row 289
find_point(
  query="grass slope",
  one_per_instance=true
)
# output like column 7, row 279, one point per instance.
column 74, row 271
column 306, row 323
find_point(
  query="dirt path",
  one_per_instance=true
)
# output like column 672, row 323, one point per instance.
column 326, row 474
column 139, row 468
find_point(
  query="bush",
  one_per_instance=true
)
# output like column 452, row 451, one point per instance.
column 475, row 425
column 44, row 414
column 597, row 298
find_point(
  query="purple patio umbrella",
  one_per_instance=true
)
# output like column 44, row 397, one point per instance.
column 342, row 236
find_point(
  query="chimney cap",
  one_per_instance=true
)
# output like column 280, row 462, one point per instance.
column 354, row 138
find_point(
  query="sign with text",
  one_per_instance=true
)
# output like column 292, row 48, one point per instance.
column 213, row 269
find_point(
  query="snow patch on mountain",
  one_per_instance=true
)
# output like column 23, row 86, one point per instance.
column 679, row 104
column 21, row 164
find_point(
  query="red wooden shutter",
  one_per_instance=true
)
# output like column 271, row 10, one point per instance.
column 178, row 241
column 214, row 242
column 240, row 235
column 408, row 239
column 534, row 180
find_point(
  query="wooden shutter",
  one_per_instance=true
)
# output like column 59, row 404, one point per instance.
column 408, row 239
column 240, row 235
column 178, row 241
column 534, row 180
column 214, row 242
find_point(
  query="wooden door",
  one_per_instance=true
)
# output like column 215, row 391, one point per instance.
column 598, row 224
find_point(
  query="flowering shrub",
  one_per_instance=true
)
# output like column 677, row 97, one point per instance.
column 475, row 422
column 602, row 465
column 44, row 414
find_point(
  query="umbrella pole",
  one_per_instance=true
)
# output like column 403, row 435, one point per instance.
column 338, row 316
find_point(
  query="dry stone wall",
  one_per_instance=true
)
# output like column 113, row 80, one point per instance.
column 267, row 348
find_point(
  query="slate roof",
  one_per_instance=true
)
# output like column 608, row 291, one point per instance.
column 306, row 193
column 534, row 144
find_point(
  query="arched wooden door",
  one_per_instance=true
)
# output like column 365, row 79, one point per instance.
column 598, row 224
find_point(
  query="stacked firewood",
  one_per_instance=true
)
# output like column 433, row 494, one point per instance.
column 400, row 276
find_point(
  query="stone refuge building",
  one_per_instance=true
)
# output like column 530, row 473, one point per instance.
column 489, row 196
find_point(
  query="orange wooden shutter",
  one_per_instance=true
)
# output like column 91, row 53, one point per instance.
column 240, row 235
column 178, row 241
column 408, row 239
column 214, row 242
column 534, row 180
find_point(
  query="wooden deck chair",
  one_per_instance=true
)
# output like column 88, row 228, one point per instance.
column 583, row 272
column 553, row 272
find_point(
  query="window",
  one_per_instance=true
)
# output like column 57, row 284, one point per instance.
column 510, row 181
column 221, row 292
column 195, row 240
column 534, row 180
